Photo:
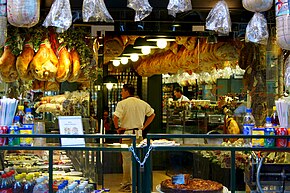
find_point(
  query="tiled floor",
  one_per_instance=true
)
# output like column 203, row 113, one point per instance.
column 112, row 181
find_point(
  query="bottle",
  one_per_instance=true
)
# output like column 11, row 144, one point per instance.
column 28, row 117
column 248, row 125
column 28, row 128
column 81, row 188
column 40, row 186
column 6, row 186
column 71, row 188
column 17, row 186
column 20, row 113
column 274, row 117
column 29, row 185
column 15, row 130
column 60, row 189
column 269, row 130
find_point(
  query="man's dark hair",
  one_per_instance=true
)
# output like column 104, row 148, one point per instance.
column 130, row 88
column 178, row 89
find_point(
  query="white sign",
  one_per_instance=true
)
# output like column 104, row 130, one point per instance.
column 71, row 125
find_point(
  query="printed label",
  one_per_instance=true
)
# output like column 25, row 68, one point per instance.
column 247, row 129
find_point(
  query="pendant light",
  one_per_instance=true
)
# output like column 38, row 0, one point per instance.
column 132, row 53
column 161, row 41
column 144, row 45
column 116, row 62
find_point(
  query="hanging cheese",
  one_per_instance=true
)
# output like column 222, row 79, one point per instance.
column 23, row 13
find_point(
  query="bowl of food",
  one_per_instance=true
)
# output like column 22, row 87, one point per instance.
column 213, row 141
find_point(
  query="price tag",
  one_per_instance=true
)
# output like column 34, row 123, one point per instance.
column 178, row 179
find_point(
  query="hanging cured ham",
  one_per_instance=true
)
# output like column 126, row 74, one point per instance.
column 44, row 64
column 23, row 13
column 8, row 71
column 64, row 65
column 76, row 66
column 23, row 62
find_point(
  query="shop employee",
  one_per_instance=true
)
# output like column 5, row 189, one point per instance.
column 179, row 95
column 129, row 118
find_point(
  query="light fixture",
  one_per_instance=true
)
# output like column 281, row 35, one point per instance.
column 132, row 53
column 109, row 86
column 116, row 62
column 110, row 81
column 134, row 57
column 211, row 39
column 161, row 41
column 124, row 60
column 145, row 46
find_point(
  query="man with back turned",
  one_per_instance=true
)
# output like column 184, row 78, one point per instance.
column 129, row 118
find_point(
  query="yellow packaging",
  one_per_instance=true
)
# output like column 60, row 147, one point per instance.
column 258, row 142
column 26, row 129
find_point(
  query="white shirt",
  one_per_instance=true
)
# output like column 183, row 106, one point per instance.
column 182, row 98
column 131, row 113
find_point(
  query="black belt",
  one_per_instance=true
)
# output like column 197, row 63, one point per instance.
column 134, row 129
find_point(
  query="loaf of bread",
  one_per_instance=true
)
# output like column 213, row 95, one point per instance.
column 194, row 55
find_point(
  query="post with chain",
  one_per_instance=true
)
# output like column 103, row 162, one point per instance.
column 141, row 164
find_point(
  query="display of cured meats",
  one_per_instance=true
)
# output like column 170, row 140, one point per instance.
column 64, row 64
column 44, row 64
column 23, row 13
column 23, row 62
column 195, row 54
column 7, row 65
column 76, row 66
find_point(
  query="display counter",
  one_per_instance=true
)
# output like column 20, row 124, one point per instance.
column 142, row 177
column 88, row 167
column 232, row 176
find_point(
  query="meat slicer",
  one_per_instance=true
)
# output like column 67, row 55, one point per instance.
column 267, row 177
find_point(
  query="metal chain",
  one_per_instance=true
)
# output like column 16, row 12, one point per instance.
column 145, row 158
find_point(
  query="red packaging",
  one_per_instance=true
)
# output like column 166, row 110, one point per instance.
column 288, row 140
column 281, row 142
column 3, row 130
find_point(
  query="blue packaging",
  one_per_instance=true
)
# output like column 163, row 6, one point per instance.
column 269, row 142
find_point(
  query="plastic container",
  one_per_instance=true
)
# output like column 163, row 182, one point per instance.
column 39, row 128
column 40, row 186
column 248, row 125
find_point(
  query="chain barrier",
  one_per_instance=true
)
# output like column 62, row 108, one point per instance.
column 137, row 158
